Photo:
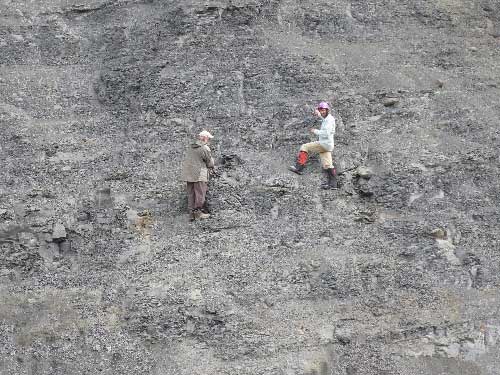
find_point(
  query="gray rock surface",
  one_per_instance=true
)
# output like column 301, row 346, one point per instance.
column 397, row 272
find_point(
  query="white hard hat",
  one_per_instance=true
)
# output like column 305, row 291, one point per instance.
column 205, row 133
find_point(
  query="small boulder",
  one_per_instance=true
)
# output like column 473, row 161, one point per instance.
column 439, row 233
column 59, row 233
column 390, row 102
column 343, row 336
column 364, row 172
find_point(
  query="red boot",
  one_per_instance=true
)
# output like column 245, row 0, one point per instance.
column 301, row 162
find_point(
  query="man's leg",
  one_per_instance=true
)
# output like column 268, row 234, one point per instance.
column 303, row 155
column 191, row 198
column 312, row 147
column 326, row 159
column 329, row 169
column 200, row 191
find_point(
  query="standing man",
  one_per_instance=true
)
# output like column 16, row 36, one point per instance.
column 324, row 146
column 195, row 171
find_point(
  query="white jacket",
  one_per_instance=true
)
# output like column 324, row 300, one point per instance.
column 326, row 132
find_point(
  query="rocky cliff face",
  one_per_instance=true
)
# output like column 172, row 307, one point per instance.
column 395, row 273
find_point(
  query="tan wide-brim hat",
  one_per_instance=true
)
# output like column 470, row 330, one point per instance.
column 205, row 133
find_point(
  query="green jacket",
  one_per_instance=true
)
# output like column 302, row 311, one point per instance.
column 197, row 161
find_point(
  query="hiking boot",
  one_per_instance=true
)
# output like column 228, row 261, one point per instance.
column 300, row 163
column 198, row 214
column 331, row 182
column 297, row 168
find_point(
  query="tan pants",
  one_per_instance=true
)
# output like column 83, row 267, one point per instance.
column 324, row 155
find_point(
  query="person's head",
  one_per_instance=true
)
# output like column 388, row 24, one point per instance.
column 323, row 108
column 205, row 136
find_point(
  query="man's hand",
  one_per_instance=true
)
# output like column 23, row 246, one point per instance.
column 317, row 113
column 312, row 130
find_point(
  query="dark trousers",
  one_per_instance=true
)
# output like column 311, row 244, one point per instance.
column 196, row 192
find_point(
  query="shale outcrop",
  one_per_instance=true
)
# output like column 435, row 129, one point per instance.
column 397, row 272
